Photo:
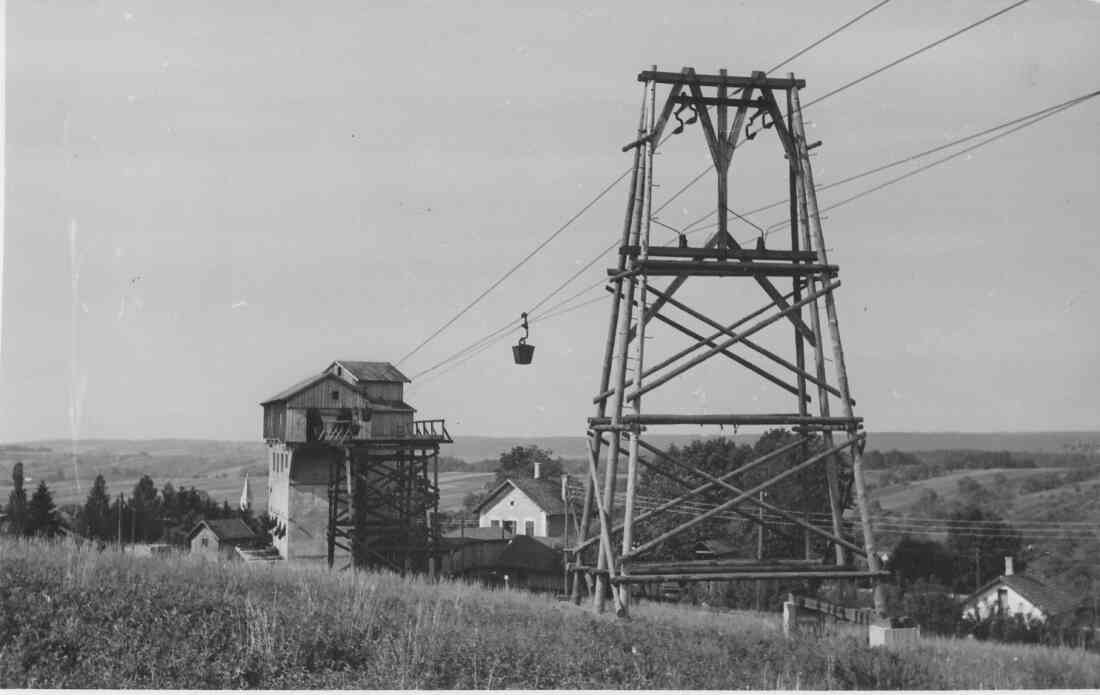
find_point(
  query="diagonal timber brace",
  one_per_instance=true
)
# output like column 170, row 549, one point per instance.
column 743, row 496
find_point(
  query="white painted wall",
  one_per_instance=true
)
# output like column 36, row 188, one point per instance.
column 1014, row 604
column 278, row 490
column 518, row 507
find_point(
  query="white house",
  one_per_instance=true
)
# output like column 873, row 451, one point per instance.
column 525, row 507
column 1017, row 594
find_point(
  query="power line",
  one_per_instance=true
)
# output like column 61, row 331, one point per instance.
column 828, row 36
column 517, row 266
column 492, row 339
column 889, row 65
column 915, row 53
column 913, row 157
column 602, row 193
column 954, row 155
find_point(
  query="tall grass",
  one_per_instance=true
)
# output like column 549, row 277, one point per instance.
column 73, row 617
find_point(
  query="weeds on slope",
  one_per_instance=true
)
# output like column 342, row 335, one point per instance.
column 73, row 617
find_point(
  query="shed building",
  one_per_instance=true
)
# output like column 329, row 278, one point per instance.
column 220, row 538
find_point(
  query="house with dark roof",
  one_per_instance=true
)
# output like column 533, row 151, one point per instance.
column 220, row 538
column 525, row 507
column 1018, row 594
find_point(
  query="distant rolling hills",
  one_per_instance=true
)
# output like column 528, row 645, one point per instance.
column 219, row 466
column 475, row 448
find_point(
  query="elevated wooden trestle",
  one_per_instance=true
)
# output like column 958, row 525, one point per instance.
column 383, row 500
column 610, row 553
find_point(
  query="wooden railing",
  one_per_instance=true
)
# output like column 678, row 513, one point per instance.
column 435, row 430
column 432, row 430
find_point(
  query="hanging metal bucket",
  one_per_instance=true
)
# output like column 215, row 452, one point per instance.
column 522, row 352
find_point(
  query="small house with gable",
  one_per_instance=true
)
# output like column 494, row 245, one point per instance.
column 1014, row 594
column 525, row 507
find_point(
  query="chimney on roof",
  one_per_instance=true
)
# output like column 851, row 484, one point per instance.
column 536, row 470
column 1008, row 566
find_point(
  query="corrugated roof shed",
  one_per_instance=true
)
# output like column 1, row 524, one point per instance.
column 373, row 371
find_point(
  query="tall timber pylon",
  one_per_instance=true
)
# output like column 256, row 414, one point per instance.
column 617, row 428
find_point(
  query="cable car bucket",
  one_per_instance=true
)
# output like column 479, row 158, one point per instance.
column 521, row 351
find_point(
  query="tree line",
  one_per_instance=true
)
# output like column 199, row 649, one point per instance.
column 148, row 515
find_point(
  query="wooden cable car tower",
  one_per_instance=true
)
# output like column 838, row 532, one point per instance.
column 616, row 431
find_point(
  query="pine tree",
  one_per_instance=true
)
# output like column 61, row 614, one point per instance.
column 146, row 508
column 41, row 514
column 17, row 501
column 97, row 512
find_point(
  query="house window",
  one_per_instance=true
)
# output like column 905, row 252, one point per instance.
column 335, row 395
column 1002, row 599
column 495, row 523
column 528, row 528
column 510, row 527
column 204, row 542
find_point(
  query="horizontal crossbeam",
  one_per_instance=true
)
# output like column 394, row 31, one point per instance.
column 722, row 254
column 715, row 101
column 716, row 80
column 795, row 574
column 657, row 268
column 768, row 419
column 730, row 565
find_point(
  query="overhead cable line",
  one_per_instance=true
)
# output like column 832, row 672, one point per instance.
column 914, row 54
column 831, row 93
column 914, row 157
column 948, row 158
column 604, row 192
column 516, row 267
column 889, row 65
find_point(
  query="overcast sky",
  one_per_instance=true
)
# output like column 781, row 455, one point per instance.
column 207, row 201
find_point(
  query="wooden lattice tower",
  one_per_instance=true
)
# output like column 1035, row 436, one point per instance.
column 616, row 430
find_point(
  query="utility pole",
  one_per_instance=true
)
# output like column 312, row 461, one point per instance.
column 121, row 499
column 760, row 553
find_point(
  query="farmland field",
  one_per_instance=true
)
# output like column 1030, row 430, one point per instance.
column 904, row 495
column 185, row 623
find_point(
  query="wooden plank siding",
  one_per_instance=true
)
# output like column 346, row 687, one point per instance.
column 320, row 395
column 275, row 420
column 383, row 390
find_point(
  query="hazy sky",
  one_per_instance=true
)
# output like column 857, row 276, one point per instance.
column 206, row 201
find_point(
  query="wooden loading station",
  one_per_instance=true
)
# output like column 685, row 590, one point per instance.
column 353, row 478
column 612, row 551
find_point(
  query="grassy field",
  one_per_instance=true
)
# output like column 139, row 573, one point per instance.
column 904, row 495
column 73, row 617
